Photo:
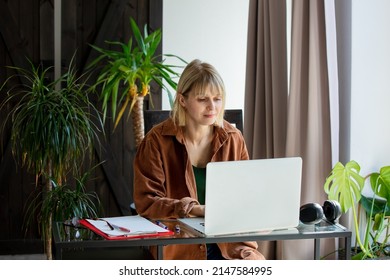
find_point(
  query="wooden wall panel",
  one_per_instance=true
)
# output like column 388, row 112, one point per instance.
column 26, row 30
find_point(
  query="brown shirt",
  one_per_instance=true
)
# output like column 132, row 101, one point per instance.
column 164, row 182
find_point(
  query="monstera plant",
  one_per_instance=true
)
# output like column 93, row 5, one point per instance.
column 124, row 80
column 345, row 184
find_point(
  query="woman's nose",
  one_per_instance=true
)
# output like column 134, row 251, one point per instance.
column 210, row 105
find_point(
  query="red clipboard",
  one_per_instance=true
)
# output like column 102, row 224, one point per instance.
column 88, row 225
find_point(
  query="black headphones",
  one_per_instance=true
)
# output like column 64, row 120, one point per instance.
column 313, row 213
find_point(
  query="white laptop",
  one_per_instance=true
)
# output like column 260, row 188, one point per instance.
column 251, row 196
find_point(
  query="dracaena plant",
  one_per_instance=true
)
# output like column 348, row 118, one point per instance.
column 64, row 202
column 345, row 185
column 53, row 128
column 127, row 72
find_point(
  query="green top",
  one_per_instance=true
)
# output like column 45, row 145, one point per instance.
column 200, row 179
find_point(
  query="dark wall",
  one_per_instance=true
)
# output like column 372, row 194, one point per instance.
column 27, row 31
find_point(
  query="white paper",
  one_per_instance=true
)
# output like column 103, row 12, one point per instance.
column 136, row 224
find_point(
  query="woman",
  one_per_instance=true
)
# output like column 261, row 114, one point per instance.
column 170, row 164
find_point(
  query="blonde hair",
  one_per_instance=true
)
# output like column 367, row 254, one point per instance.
column 197, row 77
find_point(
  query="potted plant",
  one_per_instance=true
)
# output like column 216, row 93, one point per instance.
column 53, row 127
column 345, row 185
column 127, row 73
column 65, row 202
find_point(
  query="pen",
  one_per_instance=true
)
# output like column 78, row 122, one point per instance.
column 161, row 225
column 113, row 226
column 118, row 227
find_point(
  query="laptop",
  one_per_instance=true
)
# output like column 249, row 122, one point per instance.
column 250, row 196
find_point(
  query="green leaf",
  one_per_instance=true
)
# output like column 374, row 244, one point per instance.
column 380, row 183
column 136, row 64
column 137, row 34
column 51, row 128
column 378, row 207
column 378, row 219
column 344, row 184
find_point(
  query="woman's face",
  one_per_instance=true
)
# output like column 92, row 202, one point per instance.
column 202, row 109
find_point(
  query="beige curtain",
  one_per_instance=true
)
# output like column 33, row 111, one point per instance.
column 305, row 130
column 266, row 86
column 308, row 132
column 266, row 79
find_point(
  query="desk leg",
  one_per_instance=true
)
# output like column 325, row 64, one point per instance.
column 160, row 255
column 58, row 253
column 347, row 248
column 316, row 249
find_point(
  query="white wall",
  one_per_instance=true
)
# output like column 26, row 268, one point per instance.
column 204, row 29
column 214, row 31
column 370, row 89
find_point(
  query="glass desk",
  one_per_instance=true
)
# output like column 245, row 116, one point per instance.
column 76, row 239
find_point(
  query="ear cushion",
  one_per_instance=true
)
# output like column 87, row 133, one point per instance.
column 332, row 210
column 311, row 213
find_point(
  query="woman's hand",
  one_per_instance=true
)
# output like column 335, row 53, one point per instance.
column 197, row 211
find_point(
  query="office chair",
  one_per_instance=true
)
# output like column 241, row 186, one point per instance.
column 152, row 117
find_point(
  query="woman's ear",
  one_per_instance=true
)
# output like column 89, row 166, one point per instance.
column 181, row 101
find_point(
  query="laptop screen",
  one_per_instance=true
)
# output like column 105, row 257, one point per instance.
column 252, row 195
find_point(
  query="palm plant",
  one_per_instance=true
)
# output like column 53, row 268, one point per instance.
column 125, row 79
column 345, row 184
column 52, row 130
